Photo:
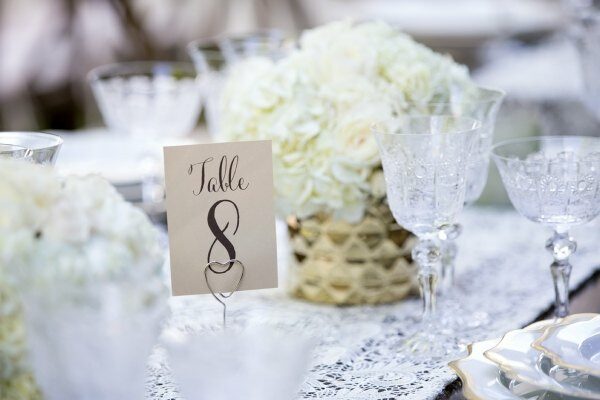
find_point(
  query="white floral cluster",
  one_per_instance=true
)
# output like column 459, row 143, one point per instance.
column 81, row 224
column 317, row 106
column 74, row 230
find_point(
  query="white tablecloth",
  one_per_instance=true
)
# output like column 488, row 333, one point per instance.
column 503, row 271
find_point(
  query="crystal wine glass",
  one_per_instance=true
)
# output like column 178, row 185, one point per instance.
column 150, row 101
column 481, row 104
column 214, row 56
column 211, row 63
column 553, row 180
column 425, row 161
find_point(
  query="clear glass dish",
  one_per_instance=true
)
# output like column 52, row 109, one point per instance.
column 42, row 147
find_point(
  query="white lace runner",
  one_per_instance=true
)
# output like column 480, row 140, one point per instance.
column 502, row 270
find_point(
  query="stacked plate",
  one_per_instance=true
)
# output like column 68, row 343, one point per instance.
column 554, row 359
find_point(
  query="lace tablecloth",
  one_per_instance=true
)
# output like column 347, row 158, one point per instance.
column 503, row 270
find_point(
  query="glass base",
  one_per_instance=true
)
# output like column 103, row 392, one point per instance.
column 453, row 314
column 431, row 341
column 425, row 344
column 457, row 319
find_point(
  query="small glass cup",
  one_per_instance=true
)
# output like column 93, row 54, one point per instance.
column 151, row 101
column 42, row 147
column 425, row 161
column 555, row 181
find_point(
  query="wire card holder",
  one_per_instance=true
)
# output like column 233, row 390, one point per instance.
column 221, row 297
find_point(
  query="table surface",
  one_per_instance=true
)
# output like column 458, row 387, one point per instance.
column 502, row 271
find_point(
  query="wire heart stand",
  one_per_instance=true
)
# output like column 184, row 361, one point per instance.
column 221, row 297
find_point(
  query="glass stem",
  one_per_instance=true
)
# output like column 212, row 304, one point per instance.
column 152, row 181
column 449, row 250
column 427, row 254
column 427, row 283
column 561, row 245
column 448, row 235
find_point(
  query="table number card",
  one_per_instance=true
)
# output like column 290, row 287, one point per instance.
column 220, row 207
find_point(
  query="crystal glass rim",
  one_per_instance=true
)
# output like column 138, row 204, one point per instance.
column 535, row 139
column 53, row 139
column 496, row 95
column 377, row 128
column 212, row 54
column 259, row 34
column 104, row 71
column 216, row 41
column 13, row 146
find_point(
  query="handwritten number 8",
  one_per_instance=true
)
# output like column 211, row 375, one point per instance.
column 220, row 233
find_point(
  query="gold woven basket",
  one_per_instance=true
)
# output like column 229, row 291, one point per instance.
column 340, row 263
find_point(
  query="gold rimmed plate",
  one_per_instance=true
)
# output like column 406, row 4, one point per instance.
column 479, row 375
column 518, row 360
column 482, row 380
column 575, row 346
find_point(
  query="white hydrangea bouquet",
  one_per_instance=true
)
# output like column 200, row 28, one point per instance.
column 317, row 106
column 61, row 242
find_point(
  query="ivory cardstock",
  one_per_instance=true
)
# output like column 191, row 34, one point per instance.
column 219, row 208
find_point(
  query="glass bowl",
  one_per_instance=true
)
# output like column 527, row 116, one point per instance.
column 150, row 99
column 42, row 147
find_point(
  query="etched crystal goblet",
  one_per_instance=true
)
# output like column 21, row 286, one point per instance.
column 425, row 160
column 481, row 104
column 553, row 180
column 214, row 56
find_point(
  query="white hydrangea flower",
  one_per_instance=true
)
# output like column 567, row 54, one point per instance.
column 26, row 193
column 317, row 106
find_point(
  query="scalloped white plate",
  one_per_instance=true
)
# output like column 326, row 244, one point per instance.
column 518, row 360
column 482, row 380
column 480, row 376
column 575, row 346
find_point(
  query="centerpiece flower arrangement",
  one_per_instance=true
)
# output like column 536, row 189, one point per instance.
column 317, row 106
column 68, row 247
